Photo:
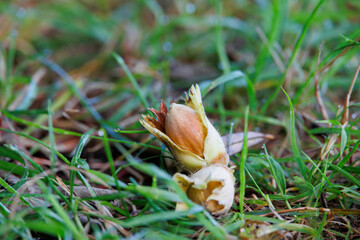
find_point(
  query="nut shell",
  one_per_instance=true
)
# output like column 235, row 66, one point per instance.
column 212, row 186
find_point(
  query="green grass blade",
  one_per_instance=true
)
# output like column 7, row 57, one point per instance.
column 75, row 161
column 80, row 95
column 234, row 75
column 345, row 174
column 15, row 169
column 277, row 171
column 62, row 157
column 321, row 227
column 162, row 216
column 30, row 96
column 131, row 77
column 343, row 140
column 289, row 226
column 220, row 44
column 251, row 94
column 154, row 193
column 242, row 178
column 345, row 159
column 64, row 216
column 68, row 132
column 303, row 170
column 51, row 138
column 24, row 156
column 292, row 57
column 110, row 158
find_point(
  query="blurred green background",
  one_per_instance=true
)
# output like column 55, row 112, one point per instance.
column 71, row 71
column 178, row 42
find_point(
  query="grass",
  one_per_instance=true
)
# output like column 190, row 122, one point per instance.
column 75, row 77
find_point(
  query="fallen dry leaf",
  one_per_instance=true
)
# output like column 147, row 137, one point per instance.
column 234, row 142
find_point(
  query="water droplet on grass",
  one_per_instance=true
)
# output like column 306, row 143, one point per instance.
column 21, row 12
column 164, row 20
column 167, row 46
column 100, row 133
column 190, row 8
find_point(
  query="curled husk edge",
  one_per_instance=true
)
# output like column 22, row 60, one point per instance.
column 212, row 186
